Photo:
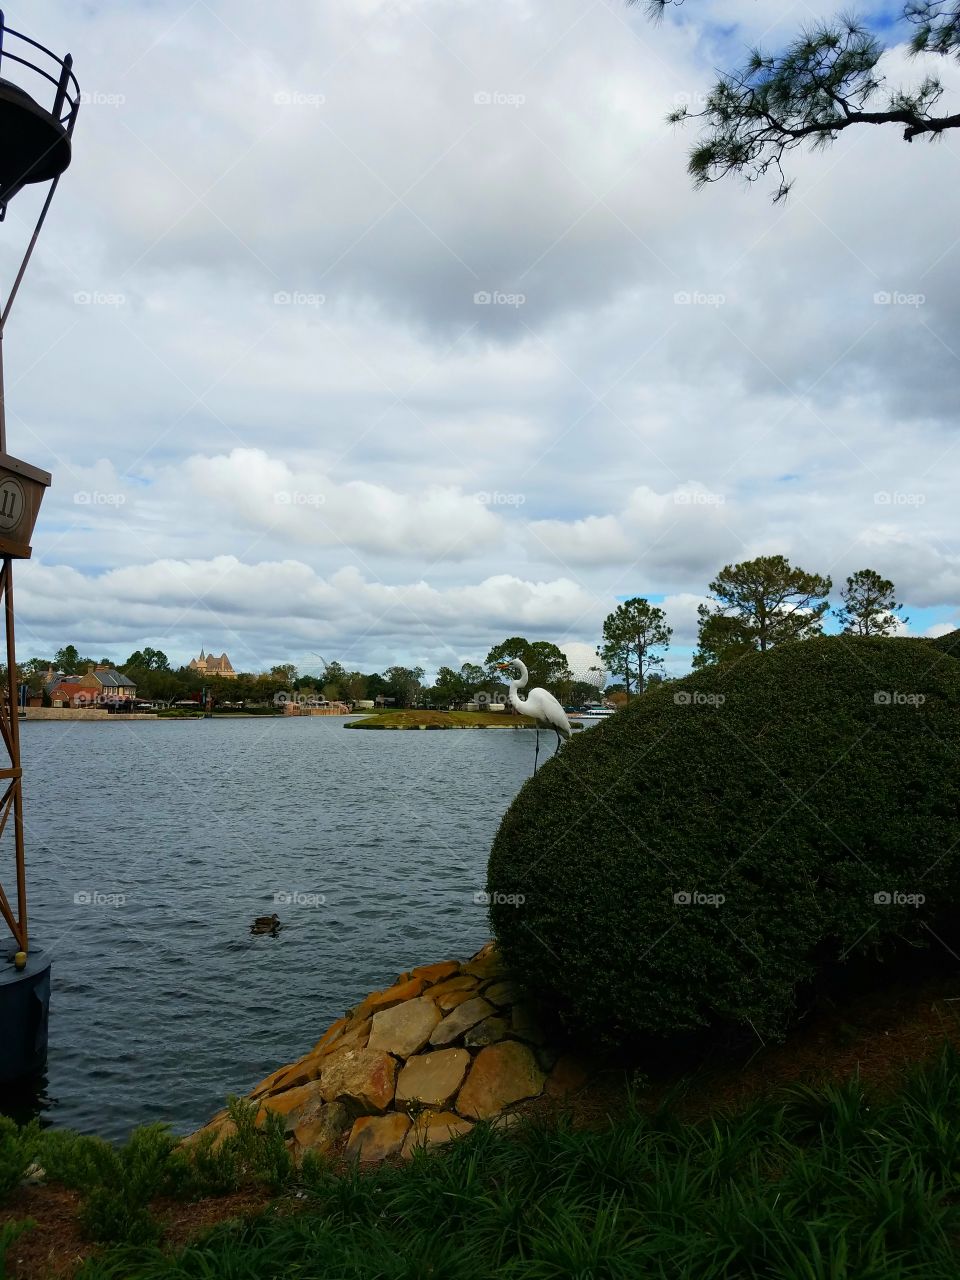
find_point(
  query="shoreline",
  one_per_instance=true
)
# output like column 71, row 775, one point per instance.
column 442, row 728
column 57, row 715
column 416, row 1064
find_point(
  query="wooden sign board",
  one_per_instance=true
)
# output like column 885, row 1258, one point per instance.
column 21, row 492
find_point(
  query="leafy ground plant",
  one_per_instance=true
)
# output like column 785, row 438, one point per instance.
column 828, row 1183
column 119, row 1184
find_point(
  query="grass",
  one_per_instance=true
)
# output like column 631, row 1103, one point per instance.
column 118, row 1185
column 813, row 1183
column 441, row 720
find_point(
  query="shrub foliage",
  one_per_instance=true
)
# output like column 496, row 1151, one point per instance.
column 816, row 788
column 812, row 1183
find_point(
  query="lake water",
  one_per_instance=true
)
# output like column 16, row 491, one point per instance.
column 174, row 835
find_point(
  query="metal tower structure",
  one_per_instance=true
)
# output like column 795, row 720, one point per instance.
column 35, row 148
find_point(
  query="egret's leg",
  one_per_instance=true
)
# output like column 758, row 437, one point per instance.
column 559, row 740
column 536, row 753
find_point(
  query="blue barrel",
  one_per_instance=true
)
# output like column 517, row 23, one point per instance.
column 24, row 1012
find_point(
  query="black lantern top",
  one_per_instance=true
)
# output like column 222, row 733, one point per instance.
column 34, row 140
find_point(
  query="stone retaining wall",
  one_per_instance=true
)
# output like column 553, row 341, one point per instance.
column 415, row 1065
column 75, row 713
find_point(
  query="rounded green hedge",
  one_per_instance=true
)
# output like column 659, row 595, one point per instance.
column 695, row 858
column 950, row 643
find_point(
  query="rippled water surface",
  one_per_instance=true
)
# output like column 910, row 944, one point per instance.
column 163, row 1002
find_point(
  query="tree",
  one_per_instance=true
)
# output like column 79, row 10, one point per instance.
column 580, row 692
column 546, row 663
column 334, row 681
column 147, row 659
column 451, row 688
column 164, row 686
column 454, row 688
column 35, row 667
column 630, row 635
column 824, row 82
column 355, row 686
column 870, row 606
column 68, row 661
column 376, row 685
column 403, row 684
column 760, row 603
column 32, row 672
column 720, row 638
column 286, row 672
column 474, row 675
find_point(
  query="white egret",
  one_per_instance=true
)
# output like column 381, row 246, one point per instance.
column 539, row 705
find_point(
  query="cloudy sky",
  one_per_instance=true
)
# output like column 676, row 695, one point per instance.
column 388, row 328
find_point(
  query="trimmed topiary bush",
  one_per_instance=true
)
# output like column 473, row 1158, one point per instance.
column 950, row 643
column 693, row 860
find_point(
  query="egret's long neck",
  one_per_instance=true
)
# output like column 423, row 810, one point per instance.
column 516, row 701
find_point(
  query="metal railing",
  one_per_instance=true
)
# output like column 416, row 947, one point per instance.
column 66, row 103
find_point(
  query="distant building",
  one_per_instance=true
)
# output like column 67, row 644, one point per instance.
column 100, row 683
column 70, row 693
column 208, row 665
column 113, row 684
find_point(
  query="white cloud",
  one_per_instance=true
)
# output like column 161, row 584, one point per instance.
column 604, row 417
column 254, row 610
column 688, row 527
column 304, row 506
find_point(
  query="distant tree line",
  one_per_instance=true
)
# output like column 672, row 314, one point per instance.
column 756, row 605
column 156, row 680
column 547, row 667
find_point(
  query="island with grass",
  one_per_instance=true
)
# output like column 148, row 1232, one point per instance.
column 421, row 719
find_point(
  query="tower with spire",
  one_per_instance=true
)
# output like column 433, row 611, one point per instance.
column 208, row 665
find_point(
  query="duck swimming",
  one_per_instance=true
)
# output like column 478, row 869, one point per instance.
column 266, row 924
